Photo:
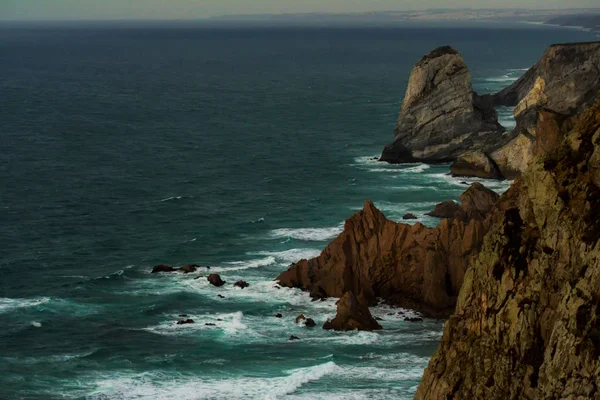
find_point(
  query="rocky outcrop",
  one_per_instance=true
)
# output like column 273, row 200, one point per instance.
column 189, row 268
column 476, row 163
column 215, row 280
column 352, row 315
column 476, row 203
column 162, row 268
column 527, row 321
column 445, row 209
column 441, row 117
column 410, row 266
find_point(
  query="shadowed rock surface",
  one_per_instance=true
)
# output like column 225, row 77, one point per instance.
column 351, row 315
column 527, row 321
column 162, row 268
column 215, row 279
column 476, row 163
column 410, row 266
column 441, row 117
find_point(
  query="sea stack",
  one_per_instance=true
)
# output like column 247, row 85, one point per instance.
column 441, row 117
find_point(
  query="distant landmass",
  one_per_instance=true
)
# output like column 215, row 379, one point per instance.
column 588, row 18
column 588, row 21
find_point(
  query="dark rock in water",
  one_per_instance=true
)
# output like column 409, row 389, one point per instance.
column 476, row 163
column 219, row 319
column 294, row 338
column 446, row 209
column 464, row 183
column 413, row 319
column 375, row 158
column 215, row 280
column 352, row 315
column 182, row 315
column 278, row 315
column 310, row 323
column 277, row 287
column 318, row 294
column 241, row 284
column 210, row 324
column 199, row 276
column 185, row 322
column 300, row 318
column 378, row 319
column 409, row 216
column 189, row 268
column 220, row 296
column 162, row 268
column 441, row 117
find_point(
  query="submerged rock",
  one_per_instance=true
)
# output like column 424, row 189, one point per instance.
column 163, row 268
column 278, row 315
column 441, row 117
column 241, row 284
column 185, row 322
column 351, row 315
column 300, row 318
column 310, row 323
column 527, row 321
column 189, row 268
column 215, row 280
column 409, row 216
column 294, row 338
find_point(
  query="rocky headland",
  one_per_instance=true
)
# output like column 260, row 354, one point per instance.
column 443, row 120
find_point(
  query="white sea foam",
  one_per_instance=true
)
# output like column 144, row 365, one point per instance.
column 9, row 304
column 171, row 198
column 308, row 234
column 36, row 324
column 286, row 257
column 242, row 265
column 417, row 169
column 231, row 324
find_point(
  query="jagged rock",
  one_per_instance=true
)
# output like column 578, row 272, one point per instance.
column 300, row 318
column 310, row 323
column 241, row 284
column 215, row 280
column 445, row 209
column 409, row 216
column 441, row 117
column 477, row 202
column 411, row 266
column 294, row 338
column 318, row 294
column 527, row 321
column 162, row 268
column 189, row 268
column 351, row 315
column 475, row 163
column 185, row 322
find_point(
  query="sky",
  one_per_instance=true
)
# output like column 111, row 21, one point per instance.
column 198, row 9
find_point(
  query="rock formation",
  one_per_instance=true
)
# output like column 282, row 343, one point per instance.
column 527, row 321
column 189, row 268
column 476, row 163
column 441, row 117
column 162, row 268
column 410, row 266
column 215, row 279
column 352, row 315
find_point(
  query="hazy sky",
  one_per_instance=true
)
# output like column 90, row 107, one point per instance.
column 170, row 9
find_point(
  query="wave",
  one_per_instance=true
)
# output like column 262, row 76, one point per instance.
column 291, row 255
column 231, row 324
column 495, row 185
column 416, row 169
column 10, row 304
column 308, row 234
column 171, row 198
column 242, row 265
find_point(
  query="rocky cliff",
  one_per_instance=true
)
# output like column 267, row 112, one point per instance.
column 410, row 266
column 441, row 117
column 527, row 321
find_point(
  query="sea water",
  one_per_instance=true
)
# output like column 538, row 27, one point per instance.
column 243, row 149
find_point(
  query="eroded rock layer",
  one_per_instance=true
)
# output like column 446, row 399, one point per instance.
column 411, row 266
column 527, row 321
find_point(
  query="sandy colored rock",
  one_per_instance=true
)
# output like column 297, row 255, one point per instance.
column 527, row 321
column 475, row 163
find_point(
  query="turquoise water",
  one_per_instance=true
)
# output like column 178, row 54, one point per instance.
column 242, row 149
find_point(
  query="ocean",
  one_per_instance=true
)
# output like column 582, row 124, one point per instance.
column 243, row 149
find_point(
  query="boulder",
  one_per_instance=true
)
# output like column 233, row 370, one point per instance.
column 413, row 319
column 294, row 338
column 300, row 318
column 185, row 322
column 162, row 268
column 310, row 323
column 475, row 163
column 241, row 284
column 278, row 315
column 189, row 268
column 215, row 280
column 445, row 209
column 351, row 315
column 441, row 117
column 409, row 216
column 220, row 296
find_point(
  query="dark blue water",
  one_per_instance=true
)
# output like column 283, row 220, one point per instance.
column 244, row 149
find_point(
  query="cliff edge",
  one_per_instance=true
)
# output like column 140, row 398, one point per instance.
column 527, row 320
